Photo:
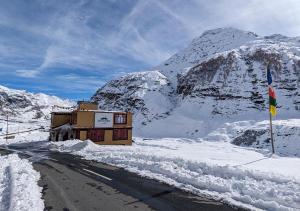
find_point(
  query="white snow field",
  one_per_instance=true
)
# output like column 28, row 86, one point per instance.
column 19, row 190
column 24, row 130
column 245, row 175
column 212, row 166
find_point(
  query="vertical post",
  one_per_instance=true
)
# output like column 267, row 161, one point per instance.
column 271, row 131
column 6, row 127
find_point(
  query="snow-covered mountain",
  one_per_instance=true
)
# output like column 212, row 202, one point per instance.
column 220, row 76
column 21, row 104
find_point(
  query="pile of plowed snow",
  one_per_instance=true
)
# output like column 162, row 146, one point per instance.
column 18, row 185
column 220, row 170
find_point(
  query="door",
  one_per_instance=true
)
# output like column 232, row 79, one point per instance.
column 83, row 134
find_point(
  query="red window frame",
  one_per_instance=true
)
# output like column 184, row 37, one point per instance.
column 116, row 120
column 120, row 134
column 96, row 135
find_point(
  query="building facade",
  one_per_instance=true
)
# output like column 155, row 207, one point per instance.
column 88, row 122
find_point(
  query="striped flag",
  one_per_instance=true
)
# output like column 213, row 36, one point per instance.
column 272, row 96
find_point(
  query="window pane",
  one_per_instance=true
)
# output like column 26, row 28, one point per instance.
column 96, row 135
column 120, row 118
column 120, row 134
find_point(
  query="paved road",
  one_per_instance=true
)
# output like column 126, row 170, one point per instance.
column 72, row 183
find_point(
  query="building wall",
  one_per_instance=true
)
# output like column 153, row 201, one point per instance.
column 74, row 118
column 129, row 119
column 85, row 119
column 60, row 119
column 108, row 137
column 87, row 106
column 85, row 122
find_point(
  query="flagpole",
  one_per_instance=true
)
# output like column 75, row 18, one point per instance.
column 271, row 130
column 6, row 128
column 269, row 77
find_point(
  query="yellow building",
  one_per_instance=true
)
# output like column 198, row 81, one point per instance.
column 88, row 122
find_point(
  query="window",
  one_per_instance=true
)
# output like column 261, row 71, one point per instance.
column 120, row 134
column 120, row 118
column 96, row 135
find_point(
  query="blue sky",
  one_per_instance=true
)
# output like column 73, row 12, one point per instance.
column 71, row 48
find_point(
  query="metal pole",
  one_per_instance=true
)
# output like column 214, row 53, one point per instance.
column 271, row 130
column 6, row 127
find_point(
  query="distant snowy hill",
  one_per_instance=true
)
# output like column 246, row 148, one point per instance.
column 220, row 76
column 22, row 104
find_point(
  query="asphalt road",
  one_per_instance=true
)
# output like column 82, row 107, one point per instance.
column 72, row 183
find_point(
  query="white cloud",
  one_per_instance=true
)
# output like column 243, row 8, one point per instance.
column 76, row 35
column 27, row 73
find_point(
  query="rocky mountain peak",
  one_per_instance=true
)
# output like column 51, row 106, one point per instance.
column 221, row 74
column 22, row 104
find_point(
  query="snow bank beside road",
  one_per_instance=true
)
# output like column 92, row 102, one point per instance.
column 218, row 169
column 18, row 185
column 17, row 129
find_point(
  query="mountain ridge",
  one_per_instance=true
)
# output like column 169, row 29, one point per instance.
column 23, row 104
column 221, row 74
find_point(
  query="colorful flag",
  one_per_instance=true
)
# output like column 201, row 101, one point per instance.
column 272, row 96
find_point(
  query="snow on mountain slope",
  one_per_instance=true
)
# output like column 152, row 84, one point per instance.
column 22, row 104
column 219, row 77
column 147, row 94
column 209, row 43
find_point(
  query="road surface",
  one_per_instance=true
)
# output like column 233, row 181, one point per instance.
column 72, row 183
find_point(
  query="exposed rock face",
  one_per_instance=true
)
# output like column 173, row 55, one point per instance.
column 146, row 93
column 20, row 103
column 198, row 79
column 13, row 101
column 249, row 138
column 220, row 74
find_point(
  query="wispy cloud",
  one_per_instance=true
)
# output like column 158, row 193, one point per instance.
column 109, row 37
column 27, row 73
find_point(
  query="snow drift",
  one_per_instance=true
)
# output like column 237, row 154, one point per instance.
column 220, row 170
column 18, row 185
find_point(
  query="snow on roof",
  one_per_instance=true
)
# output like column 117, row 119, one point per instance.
column 103, row 111
column 99, row 111
column 61, row 112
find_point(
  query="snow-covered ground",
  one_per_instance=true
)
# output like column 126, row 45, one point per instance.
column 256, row 134
column 245, row 176
column 18, row 185
column 243, row 173
column 19, row 190
column 33, row 131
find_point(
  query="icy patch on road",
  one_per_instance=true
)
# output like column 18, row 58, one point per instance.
column 220, row 170
column 18, row 185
